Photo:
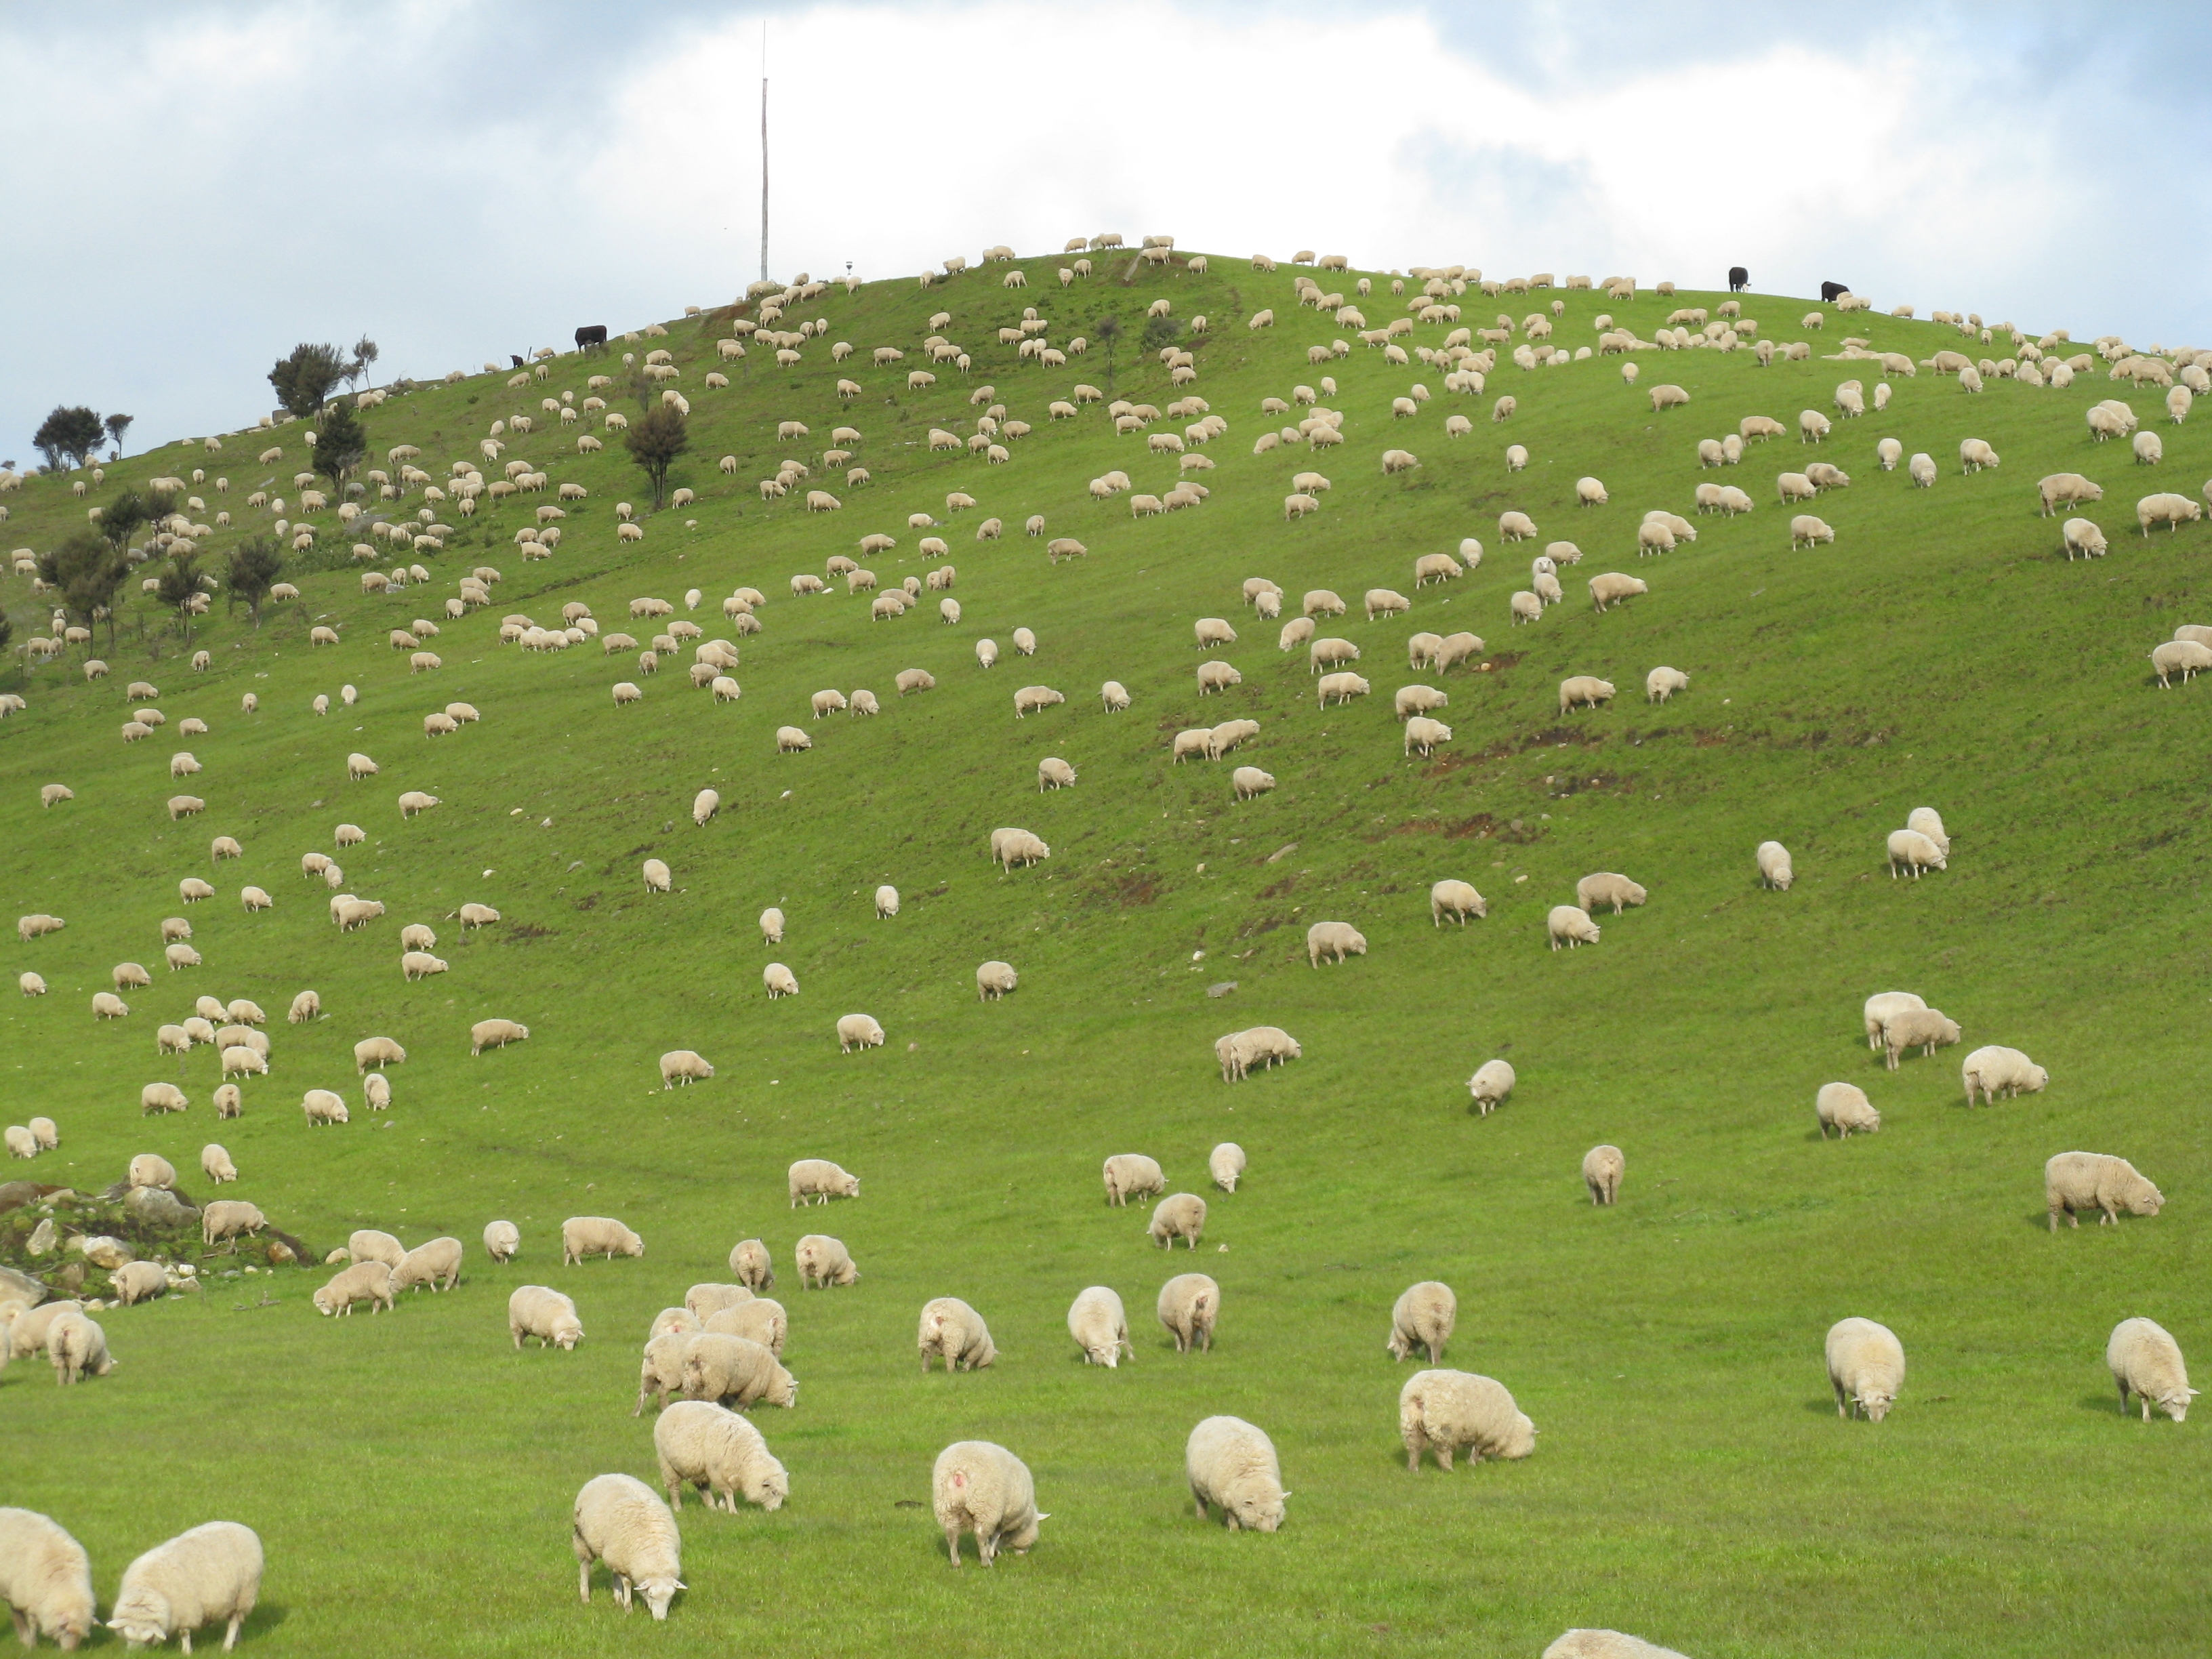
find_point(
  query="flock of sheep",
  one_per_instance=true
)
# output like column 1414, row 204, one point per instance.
column 722, row 1352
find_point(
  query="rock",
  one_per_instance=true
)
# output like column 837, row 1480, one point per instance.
column 72, row 1278
column 22, row 1286
column 108, row 1252
column 281, row 1255
column 158, row 1207
column 42, row 1238
column 14, row 1195
column 1222, row 989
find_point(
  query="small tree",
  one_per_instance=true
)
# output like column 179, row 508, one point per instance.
column 122, row 519
column 254, row 567
column 178, row 586
column 656, row 439
column 69, row 434
column 117, row 426
column 340, row 445
column 86, row 572
column 365, row 355
column 303, row 380
column 1109, row 330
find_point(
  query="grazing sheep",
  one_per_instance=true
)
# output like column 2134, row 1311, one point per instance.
column 1910, row 850
column 954, row 1332
column 1231, row 1465
column 2145, row 1360
column 1424, row 734
column 621, row 1521
column 823, row 1262
column 2076, row 1182
column 1570, row 924
column 1925, row 1029
column 1247, row 782
column 1492, row 1082
column 546, row 1313
column 585, row 1235
column 1226, row 1163
column 378, row 1051
column 980, row 1487
column 771, row 925
column 364, row 1281
column 1930, row 823
column 216, row 1164
column 779, row 981
column 1423, row 1317
column 45, row 1579
column 1446, row 1412
column 682, row 1066
column 322, row 1107
column 1774, row 871
column 211, row 1572
column 993, row 980
column 2184, row 658
column 502, row 1239
column 437, row 1264
column 162, row 1097
column 1607, row 1644
column 1607, row 888
column 1866, row 1367
column 735, row 1372
column 1179, row 1215
column 1334, row 939
column 750, row 1266
column 495, row 1034
column 1879, row 1009
column 1188, row 1306
column 1603, row 1169
column 858, row 1032
column 721, row 1454
column 1455, row 899
column 817, row 1179
column 1101, row 1329
column 1131, row 1175
column 1844, row 1107
column 1995, row 1070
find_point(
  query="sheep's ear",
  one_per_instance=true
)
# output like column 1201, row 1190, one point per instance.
column 681, row 1585
column 1288, row 1496
column 1042, row 1519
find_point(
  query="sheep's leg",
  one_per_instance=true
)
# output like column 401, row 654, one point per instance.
column 230, row 1636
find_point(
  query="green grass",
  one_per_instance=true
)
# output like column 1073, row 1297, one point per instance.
column 412, row 1475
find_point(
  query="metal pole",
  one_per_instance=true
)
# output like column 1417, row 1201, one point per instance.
column 764, row 149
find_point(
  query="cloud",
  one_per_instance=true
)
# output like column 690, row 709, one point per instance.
column 194, row 195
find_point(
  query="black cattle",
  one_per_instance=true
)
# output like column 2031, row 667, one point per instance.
column 516, row 361
column 1738, row 279
column 1830, row 291
column 594, row 336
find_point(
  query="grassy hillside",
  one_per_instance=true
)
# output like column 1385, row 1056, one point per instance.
column 412, row 1475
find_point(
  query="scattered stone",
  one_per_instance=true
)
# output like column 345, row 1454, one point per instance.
column 1221, row 990
column 42, row 1238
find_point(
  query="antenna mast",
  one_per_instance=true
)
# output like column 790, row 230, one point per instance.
column 764, row 149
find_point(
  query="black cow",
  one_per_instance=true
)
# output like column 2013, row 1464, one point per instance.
column 594, row 336
column 1738, row 279
column 1830, row 291
column 516, row 361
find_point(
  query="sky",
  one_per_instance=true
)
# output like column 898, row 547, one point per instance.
column 191, row 189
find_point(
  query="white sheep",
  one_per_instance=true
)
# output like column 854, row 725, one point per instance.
column 1603, row 1169
column 1774, row 869
column 953, row 1331
column 817, row 1179
column 1925, row 1029
column 1606, row 887
column 211, row 1572
column 823, row 1262
column 1910, row 850
column 1179, row 1215
column 1607, row 1644
column 1446, row 1412
column 993, row 980
column 546, row 1313
column 1188, row 1306
column 1866, row 1367
column 1995, row 1070
column 978, row 1487
column 1457, row 899
column 701, row 1444
column 1131, row 1175
column 858, row 1032
column 1844, row 1107
column 1492, row 1082
column 2076, row 1181
column 46, row 1578
column 502, row 1239
column 364, row 1281
column 1571, row 925
column 586, row 1236
column 620, row 1520
column 1423, row 1316
column 684, row 1067
column 1101, row 1329
column 1231, row 1465
column 2145, row 1360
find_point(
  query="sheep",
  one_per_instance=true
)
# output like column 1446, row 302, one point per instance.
column 954, row 1332
column 583, row 1236
column 1607, row 1643
column 306, row 1006
column 1231, row 1465
column 1030, row 698
column 1336, row 940
column 621, row 1521
column 2074, row 1181
column 980, row 1487
column 1910, row 850
column 823, row 1262
column 1446, row 1412
column 1866, row 1368
column 502, row 1239
column 701, row 1444
column 2066, row 489
column 817, row 1180
column 1613, row 588
column 1925, row 1029
column 1340, row 688
column 1607, row 888
column 216, row 1164
column 1989, row 1071
column 495, row 1034
column 1423, row 1316
column 736, row 1371
column 1573, row 927
column 1179, row 1215
column 162, row 1097
column 322, row 1107
column 1262, row 1046
column 211, row 1572
column 1668, row 397
column 703, row 1302
column 1457, row 899
column 1603, row 1169
column 45, row 1579
column 1515, row 527
column 2185, row 658
column 858, row 1032
column 364, row 1281
column 1188, row 1306
column 43, row 1133
column 2145, row 1360
column 750, row 1266
column 2082, row 536
column 1844, row 1107
column 1492, row 1082
column 1425, row 734
column 1010, row 846
column 2171, row 510
column 1584, row 691
column 138, row 1281
column 437, row 1264
column 1131, row 1175
column 546, row 1313
column 1930, row 823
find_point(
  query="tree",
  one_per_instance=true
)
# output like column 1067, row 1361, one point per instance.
column 117, row 425
column 87, row 572
column 365, row 355
column 7, row 631
column 656, row 439
column 178, row 586
column 123, row 517
column 254, row 567
column 303, row 380
column 69, row 434
column 1109, row 330
column 340, row 445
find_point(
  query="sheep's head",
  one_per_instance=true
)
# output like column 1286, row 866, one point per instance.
column 1875, row 1404
column 1260, row 1511
column 1522, row 1440
column 141, row 1618
column 658, row 1592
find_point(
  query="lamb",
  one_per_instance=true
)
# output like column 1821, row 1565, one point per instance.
column 980, row 1487
column 213, row 1571
column 583, row 1236
column 682, row 1066
column 1179, row 1215
column 1101, row 1329
column 818, row 1180
column 1774, row 871
column 1231, row 1465
column 1910, row 850
column 1603, row 1169
column 1333, row 939
column 1492, row 1082
column 437, row 1264
column 750, row 1266
column 1584, row 691
column 1995, row 1070
column 2145, row 1361
column 1607, row 888
column 1925, row 1029
column 1572, row 925
column 1446, row 1412
column 536, row 1310
column 45, row 1579
column 1844, row 1107
column 736, row 1371
column 823, row 1262
column 858, row 1032
column 954, row 1332
column 1131, row 1175
column 2074, row 1181
column 700, row 1444
column 1423, row 1316
column 502, row 1239
column 1455, row 899
column 1866, row 1367
column 621, row 1521
column 364, row 1281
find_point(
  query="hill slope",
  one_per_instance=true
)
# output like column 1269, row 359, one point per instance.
column 1693, row 1482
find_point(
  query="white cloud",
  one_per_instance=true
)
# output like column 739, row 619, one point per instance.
column 189, row 200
